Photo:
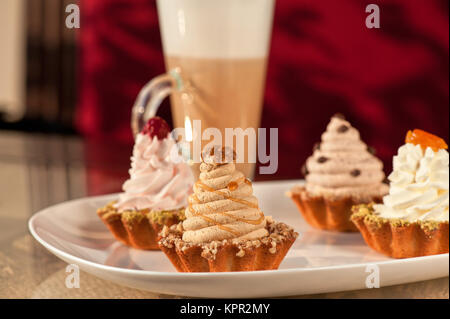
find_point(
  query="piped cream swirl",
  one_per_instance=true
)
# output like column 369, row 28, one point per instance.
column 342, row 165
column 222, row 207
column 419, row 185
column 159, row 179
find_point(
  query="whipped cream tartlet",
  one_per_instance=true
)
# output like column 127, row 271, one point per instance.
column 341, row 173
column 156, row 193
column 224, row 229
column 413, row 218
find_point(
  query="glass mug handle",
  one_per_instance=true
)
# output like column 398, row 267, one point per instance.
column 150, row 97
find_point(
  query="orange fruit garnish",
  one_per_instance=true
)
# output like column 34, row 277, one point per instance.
column 425, row 139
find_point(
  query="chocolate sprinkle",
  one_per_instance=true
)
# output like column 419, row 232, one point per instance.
column 316, row 147
column 371, row 150
column 355, row 173
column 342, row 129
column 339, row 116
column 322, row 159
column 304, row 170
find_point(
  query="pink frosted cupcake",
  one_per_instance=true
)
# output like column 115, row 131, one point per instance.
column 156, row 193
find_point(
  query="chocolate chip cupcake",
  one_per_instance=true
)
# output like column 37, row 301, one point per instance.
column 341, row 173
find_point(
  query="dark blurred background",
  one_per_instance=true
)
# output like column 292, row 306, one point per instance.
column 323, row 60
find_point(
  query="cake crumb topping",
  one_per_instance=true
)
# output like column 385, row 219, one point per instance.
column 368, row 213
column 278, row 232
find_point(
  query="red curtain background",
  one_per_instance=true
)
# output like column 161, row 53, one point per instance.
column 323, row 60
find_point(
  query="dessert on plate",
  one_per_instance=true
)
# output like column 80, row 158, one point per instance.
column 156, row 193
column 341, row 173
column 224, row 228
column 412, row 221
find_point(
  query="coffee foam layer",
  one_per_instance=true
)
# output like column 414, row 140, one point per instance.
column 216, row 28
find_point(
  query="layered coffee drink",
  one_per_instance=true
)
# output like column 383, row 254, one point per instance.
column 220, row 50
column 228, row 94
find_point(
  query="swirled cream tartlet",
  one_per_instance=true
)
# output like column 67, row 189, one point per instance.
column 413, row 219
column 156, row 193
column 224, row 228
column 341, row 173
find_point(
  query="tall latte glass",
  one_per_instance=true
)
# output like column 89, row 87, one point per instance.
column 216, row 55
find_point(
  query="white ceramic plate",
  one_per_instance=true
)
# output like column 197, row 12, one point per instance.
column 318, row 262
